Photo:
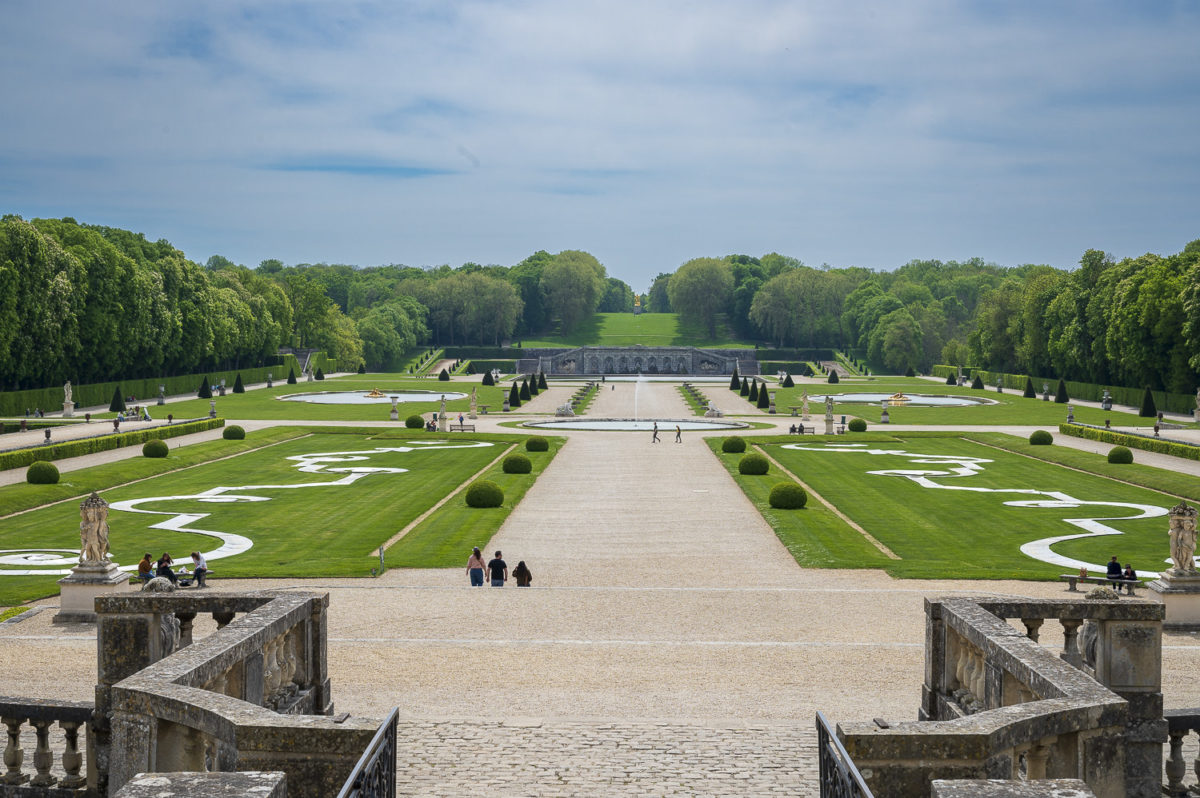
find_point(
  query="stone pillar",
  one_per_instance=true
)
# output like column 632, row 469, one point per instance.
column 212, row 408
column 1070, row 414
column 68, row 409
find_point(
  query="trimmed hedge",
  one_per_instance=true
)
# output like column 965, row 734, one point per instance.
column 1120, row 455
column 485, row 493
column 788, row 382
column 516, row 463
column 787, row 496
column 444, row 376
column 1029, row 393
column 477, row 353
column 857, row 425
column 1041, row 438
column 233, row 433
column 1090, row 391
column 117, row 405
column 414, row 422
column 320, row 375
column 487, row 378
column 833, row 378
column 733, row 445
column 42, row 473
column 1143, row 442
column 753, row 464
column 1060, row 395
column 102, row 443
column 157, row 447
column 815, row 353
column 536, row 443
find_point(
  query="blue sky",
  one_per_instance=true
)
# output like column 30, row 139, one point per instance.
column 646, row 133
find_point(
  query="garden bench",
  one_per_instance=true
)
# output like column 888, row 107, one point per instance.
column 1116, row 584
column 462, row 427
column 800, row 430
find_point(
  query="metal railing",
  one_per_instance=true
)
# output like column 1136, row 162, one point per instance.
column 374, row 776
column 839, row 777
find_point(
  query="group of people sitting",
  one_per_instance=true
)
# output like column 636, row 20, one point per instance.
column 1114, row 572
column 497, row 570
column 148, row 569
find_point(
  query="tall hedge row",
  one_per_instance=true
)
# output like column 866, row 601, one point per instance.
column 1088, row 391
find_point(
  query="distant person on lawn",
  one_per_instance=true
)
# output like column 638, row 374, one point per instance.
column 522, row 574
column 475, row 567
column 498, row 568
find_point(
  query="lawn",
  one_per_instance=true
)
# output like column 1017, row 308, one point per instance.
column 1009, row 408
column 317, row 505
column 647, row 329
column 968, row 532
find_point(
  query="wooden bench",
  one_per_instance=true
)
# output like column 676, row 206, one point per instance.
column 462, row 427
column 1116, row 584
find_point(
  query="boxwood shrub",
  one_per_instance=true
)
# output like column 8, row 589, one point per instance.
column 155, row 448
column 485, row 493
column 857, row 425
column 414, row 422
column 536, row 443
column 787, row 496
column 753, row 464
column 1041, row 438
column 1120, row 455
column 42, row 473
column 234, row 433
column 733, row 445
column 517, row 463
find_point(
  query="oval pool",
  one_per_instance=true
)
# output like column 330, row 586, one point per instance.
column 361, row 398
column 911, row 400
column 635, row 424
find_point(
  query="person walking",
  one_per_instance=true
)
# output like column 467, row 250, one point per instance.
column 498, row 568
column 678, row 434
column 475, row 567
column 522, row 574
column 654, row 437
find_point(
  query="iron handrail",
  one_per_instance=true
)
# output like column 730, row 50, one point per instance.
column 839, row 776
column 374, row 775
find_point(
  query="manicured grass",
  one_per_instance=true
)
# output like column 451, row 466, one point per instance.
column 323, row 530
column 815, row 536
column 445, row 539
column 1010, row 409
column 263, row 403
column 648, row 329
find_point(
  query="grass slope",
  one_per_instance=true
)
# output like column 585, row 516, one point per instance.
column 647, row 329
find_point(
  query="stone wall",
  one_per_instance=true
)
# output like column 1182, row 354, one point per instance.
column 633, row 360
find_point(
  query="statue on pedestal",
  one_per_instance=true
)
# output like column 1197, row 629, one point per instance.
column 93, row 530
column 829, row 407
column 804, row 405
column 1183, row 539
column 67, row 393
column 473, row 406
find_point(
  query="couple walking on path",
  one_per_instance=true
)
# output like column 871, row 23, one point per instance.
column 678, row 434
column 497, row 570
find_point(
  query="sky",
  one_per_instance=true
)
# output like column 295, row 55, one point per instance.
column 647, row 133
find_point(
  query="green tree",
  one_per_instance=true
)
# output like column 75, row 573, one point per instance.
column 700, row 290
column 572, row 283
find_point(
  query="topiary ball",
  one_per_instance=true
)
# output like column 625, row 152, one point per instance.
column 857, row 425
column 155, row 448
column 485, row 494
column 414, row 422
column 1120, row 455
column 536, row 443
column 787, row 496
column 733, row 445
column 42, row 473
column 233, row 433
column 1041, row 438
column 753, row 464
column 517, row 463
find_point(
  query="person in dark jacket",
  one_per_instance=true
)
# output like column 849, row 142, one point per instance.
column 522, row 574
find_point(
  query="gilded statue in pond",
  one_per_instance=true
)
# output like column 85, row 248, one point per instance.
column 93, row 530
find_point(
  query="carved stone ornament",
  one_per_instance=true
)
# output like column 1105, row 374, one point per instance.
column 93, row 530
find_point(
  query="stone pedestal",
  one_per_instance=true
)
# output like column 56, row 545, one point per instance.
column 212, row 408
column 443, row 422
column 68, row 409
column 395, row 414
column 82, row 585
column 1180, row 595
column 829, row 425
column 883, row 417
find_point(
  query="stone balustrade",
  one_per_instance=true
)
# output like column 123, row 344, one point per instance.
column 71, row 717
column 1180, row 723
column 254, row 695
column 997, row 705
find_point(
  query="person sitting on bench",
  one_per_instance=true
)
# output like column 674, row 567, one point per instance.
column 164, row 568
column 145, row 568
column 1114, row 571
column 201, row 568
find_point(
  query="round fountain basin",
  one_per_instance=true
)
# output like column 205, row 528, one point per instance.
column 636, row 424
column 362, row 398
column 913, row 400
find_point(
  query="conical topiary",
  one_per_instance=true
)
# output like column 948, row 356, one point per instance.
column 788, row 382
column 514, row 396
column 487, row 378
column 533, row 388
column 734, row 382
column 117, row 405
column 1061, row 396
column 444, row 376
column 291, row 376
column 764, row 398
column 320, row 375
column 977, row 383
column 362, row 368
column 833, row 377
column 205, row 392
column 910, row 373
column 542, row 381
column 950, row 379
column 1149, row 410
column 753, row 397
column 238, row 387
column 1030, row 393
column 525, row 390
column 745, row 389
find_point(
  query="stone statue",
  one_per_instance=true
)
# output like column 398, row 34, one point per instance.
column 93, row 530
column 1198, row 400
column 67, row 394
column 828, row 407
column 473, row 406
column 1183, row 539
column 804, row 405
column 442, row 409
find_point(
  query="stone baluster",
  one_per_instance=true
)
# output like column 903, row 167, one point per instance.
column 1175, row 767
column 1020, row 762
column 43, row 757
column 223, row 618
column 1070, row 653
column 1035, row 759
column 977, row 681
column 1032, row 626
column 220, row 683
column 290, row 658
column 72, row 758
column 1025, row 695
column 270, row 670
column 960, row 664
column 14, row 755
column 185, row 627
column 968, row 680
